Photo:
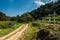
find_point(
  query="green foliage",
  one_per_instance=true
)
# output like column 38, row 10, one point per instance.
column 4, row 24
column 2, row 16
column 4, row 30
column 38, row 13
column 2, row 27
column 13, row 19
column 26, row 17
column 47, row 35
column 46, row 32
column 29, row 33
column 42, row 11
column 35, row 24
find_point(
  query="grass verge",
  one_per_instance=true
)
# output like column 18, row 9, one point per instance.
column 6, row 31
column 34, row 28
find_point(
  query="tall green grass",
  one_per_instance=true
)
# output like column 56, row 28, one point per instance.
column 4, row 24
column 34, row 27
column 30, row 32
column 5, row 29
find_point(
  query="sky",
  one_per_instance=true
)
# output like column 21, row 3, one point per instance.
column 18, row 7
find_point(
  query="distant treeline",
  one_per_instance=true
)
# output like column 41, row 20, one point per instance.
column 3, row 17
column 38, row 13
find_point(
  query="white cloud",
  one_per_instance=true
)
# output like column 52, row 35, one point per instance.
column 39, row 3
column 54, row 0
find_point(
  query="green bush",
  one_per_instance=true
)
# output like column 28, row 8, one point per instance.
column 4, row 24
column 35, row 24
column 1, row 26
column 45, row 34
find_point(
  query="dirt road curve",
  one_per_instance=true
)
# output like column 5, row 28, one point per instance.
column 15, row 34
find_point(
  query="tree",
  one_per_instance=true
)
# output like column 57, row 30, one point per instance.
column 2, row 16
column 18, row 18
column 26, row 17
column 13, row 19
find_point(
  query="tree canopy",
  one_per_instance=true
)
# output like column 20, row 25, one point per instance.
column 35, row 14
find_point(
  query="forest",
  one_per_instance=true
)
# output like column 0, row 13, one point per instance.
column 36, row 14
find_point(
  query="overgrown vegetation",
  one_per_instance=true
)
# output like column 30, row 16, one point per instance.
column 38, row 13
column 4, row 28
column 42, row 32
column 36, row 30
column 44, row 11
column 4, row 24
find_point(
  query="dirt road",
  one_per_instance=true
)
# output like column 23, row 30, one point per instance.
column 15, row 34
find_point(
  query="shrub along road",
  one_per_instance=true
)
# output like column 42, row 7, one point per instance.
column 15, row 35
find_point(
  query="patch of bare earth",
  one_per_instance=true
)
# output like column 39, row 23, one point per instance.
column 15, row 35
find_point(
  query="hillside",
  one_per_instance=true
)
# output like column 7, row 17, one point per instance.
column 35, row 14
column 42, row 11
